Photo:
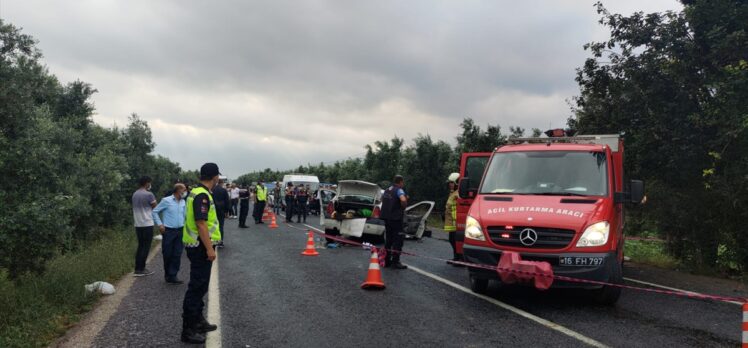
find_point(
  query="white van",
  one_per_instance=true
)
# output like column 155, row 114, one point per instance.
column 300, row 179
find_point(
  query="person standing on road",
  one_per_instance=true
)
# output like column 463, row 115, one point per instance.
column 201, row 232
column 394, row 202
column 261, row 194
column 223, row 204
column 290, row 202
column 173, row 210
column 243, row 207
column 278, row 198
column 143, row 202
column 302, row 198
column 234, row 195
column 450, row 217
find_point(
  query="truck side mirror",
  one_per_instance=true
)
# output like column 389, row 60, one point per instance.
column 637, row 191
column 634, row 193
column 464, row 190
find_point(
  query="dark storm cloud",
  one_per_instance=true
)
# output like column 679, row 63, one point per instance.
column 290, row 82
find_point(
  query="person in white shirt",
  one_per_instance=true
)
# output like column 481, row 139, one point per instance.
column 234, row 195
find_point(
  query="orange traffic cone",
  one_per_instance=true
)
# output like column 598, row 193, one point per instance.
column 374, row 277
column 266, row 215
column 310, row 251
column 273, row 223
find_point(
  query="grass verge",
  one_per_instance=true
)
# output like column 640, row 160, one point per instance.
column 36, row 309
column 651, row 253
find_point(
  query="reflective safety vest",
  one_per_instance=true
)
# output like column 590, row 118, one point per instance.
column 262, row 193
column 190, row 233
column 450, row 213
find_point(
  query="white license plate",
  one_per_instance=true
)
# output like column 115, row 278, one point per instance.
column 580, row 261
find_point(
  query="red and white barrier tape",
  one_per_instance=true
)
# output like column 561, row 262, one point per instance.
column 555, row 277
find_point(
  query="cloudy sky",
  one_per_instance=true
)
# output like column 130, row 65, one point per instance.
column 282, row 83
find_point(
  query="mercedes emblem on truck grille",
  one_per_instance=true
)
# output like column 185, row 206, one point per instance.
column 528, row 237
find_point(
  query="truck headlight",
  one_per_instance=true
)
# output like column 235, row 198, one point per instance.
column 473, row 230
column 595, row 235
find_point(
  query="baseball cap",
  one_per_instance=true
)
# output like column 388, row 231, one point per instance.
column 209, row 170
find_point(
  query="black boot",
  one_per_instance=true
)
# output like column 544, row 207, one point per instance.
column 204, row 326
column 191, row 335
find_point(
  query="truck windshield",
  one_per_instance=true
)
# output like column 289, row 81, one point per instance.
column 547, row 172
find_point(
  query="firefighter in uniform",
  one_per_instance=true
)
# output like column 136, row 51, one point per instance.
column 394, row 202
column 201, row 232
column 450, row 217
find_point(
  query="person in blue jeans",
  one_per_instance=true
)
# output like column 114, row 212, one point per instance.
column 173, row 210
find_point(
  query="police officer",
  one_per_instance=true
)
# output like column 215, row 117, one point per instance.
column 302, row 198
column 243, row 207
column 261, row 196
column 201, row 232
column 290, row 204
column 394, row 202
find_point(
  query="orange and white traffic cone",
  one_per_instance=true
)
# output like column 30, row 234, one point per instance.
column 310, row 251
column 745, row 325
column 266, row 214
column 273, row 223
column 374, row 276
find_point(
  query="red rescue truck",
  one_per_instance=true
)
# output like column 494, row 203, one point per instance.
column 557, row 200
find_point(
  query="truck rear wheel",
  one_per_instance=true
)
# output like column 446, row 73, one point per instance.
column 608, row 295
column 478, row 285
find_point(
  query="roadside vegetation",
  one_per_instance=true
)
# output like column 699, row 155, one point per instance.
column 37, row 308
column 65, row 192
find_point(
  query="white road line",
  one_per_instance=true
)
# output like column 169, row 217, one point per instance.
column 549, row 324
column 214, row 338
column 672, row 289
column 539, row 320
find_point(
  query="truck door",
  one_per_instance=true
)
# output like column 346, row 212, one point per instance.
column 472, row 167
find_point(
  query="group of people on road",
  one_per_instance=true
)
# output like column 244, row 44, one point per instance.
column 193, row 220
column 297, row 201
column 189, row 220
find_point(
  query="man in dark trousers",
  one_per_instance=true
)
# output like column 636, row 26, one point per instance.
column 201, row 232
column 261, row 197
column 143, row 202
column 223, row 204
column 290, row 201
column 394, row 202
column 243, row 207
column 302, row 198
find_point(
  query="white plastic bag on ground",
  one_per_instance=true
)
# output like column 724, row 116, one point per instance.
column 102, row 287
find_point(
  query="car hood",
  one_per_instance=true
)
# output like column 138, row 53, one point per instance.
column 542, row 211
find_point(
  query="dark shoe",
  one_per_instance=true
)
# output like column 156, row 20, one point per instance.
column 174, row 281
column 205, row 326
column 243, row 226
column 192, row 336
column 398, row 265
column 143, row 273
column 261, row 222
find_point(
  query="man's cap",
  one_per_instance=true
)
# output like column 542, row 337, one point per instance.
column 209, row 170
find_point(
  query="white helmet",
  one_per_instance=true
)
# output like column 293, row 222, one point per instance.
column 453, row 177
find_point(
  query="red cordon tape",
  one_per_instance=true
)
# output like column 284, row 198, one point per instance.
column 557, row 277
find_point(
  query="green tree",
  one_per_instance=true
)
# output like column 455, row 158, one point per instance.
column 676, row 84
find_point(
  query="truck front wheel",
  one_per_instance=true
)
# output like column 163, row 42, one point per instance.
column 478, row 285
column 608, row 295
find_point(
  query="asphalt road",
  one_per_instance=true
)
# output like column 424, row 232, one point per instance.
column 271, row 296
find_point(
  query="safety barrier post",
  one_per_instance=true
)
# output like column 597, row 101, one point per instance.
column 745, row 325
